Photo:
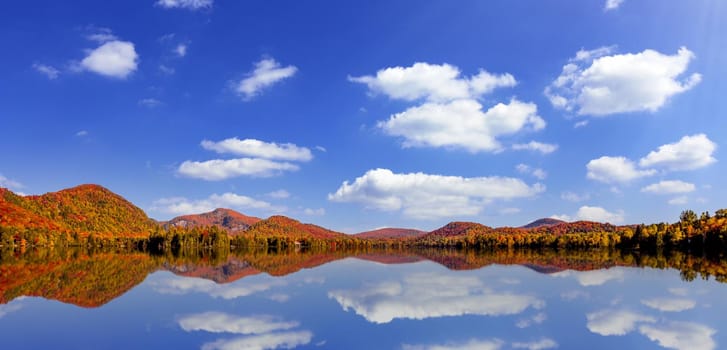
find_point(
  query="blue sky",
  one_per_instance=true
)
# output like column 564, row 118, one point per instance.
column 362, row 115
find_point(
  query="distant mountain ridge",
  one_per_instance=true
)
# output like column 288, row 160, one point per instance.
column 233, row 222
column 390, row 232
column 93, row 209
column 543, row 222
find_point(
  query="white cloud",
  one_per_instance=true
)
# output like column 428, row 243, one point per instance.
column 681, row 335
column 221, row 169
column 426, row 295
column 220, row 322
column 13, row 306
column 562, row 217
column 183, row 206
column 283, row 340
column 116, row 59
column 536, row 319
column 596, row 84
column 166, row 69
column 49, row 71
column 593, row 277
column 82, row 133
column 615, row 170
column 599, row 214
column 689, row 153
column 279, row 297
column 425, row 196
column 449, row 114
column 101, row 35
column 612, row 4
column 472, row 344
column 150, row 102
column 279, row 194
column 9, row 183
column 432, row 82
column 681, row 200
column 185, row 4
column 540, row 174
column 544, row 148
column 615, row 322
column 181, row 50
column 314, row 212
column 669, row 187
column 266, row 73
column 259, row 149
column 541, row 344
column 186, row 285
column 574, row 197
column 462, row 124
column 670, row 304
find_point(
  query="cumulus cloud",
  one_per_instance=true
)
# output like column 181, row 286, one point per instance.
column 681, row 335
column 221, row 169
column 462, row 124
column 669, row 187
column 615, row 170
column 220, row 322
column 544, row 148
column 115, row 59
column 181, row 50
column 593, row 277
column 185, row 4
column 432, row 82
column 574, row 197
column 422, row 296
column 100, row 34
column 448, row 113
column 472, row 344
column 612, row 4
column 536, row 172
column 598, row 83
column 47, row 70
column 600, row 215
column 186, row 285
column 282, row 340
column 266, row 73
column 527, row 322
column 279, row 194
column 314, row 212
column 689, row 153
column 10, row 183
column 259, row 149
column 615, row 322
column 670, row 304
column 541, row 344
column 182, row 206
column 425, row 196
column 681, row 200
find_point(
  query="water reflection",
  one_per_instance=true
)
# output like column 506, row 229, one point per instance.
column 261, row 332
column 421, row 296
column 425, row 299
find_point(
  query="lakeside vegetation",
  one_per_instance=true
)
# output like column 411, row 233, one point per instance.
column 92, row 216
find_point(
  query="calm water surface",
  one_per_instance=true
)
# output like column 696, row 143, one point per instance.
column 379, row 301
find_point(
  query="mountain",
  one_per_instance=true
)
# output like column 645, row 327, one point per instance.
column 82, row 209
column 232, row 221
column 543, row 222
column 390, row 233
column 281, row 225
column 458, row 228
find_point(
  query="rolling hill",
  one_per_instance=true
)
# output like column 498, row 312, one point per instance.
column 233, row 222
column 390, row 232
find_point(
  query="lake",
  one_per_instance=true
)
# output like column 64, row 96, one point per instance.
column 395, row 299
